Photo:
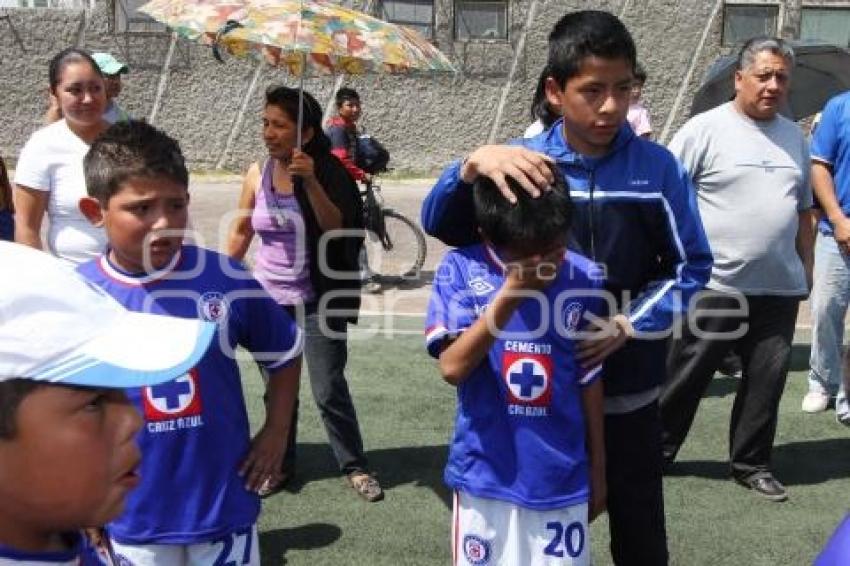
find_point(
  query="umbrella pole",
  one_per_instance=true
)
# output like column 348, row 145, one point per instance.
column 301, row 99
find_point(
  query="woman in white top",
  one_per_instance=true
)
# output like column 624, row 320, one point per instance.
column 49, row 174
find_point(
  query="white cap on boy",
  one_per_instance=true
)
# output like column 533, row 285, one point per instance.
column 57, row 327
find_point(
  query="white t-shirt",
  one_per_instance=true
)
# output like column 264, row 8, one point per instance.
column 52, row 160
column 752, row 181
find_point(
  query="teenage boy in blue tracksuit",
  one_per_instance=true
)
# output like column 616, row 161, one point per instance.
column 636, row 216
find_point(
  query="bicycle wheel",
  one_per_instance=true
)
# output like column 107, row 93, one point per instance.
column 400, row 254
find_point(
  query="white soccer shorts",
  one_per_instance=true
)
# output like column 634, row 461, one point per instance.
column 239, row 548
column 494, row 532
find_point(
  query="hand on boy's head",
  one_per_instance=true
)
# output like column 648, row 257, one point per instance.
column 536, row 271
column 532, row 170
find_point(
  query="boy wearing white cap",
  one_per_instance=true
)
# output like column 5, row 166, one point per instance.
column 112, row 70
column 67, row 451
column 198, row 502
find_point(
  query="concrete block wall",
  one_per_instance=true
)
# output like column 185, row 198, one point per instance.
column 214, row 109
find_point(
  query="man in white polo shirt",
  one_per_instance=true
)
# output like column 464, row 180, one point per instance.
column 750, row 168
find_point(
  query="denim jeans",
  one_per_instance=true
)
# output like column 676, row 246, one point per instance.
column 830, row 298
column 326, row 354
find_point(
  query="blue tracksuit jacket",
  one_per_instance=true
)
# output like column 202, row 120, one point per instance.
column 636, row 215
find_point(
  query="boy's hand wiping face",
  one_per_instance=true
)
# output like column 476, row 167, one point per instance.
column 536, row 271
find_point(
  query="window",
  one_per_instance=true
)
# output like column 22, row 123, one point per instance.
column 741, row 23
column 481, row 19
column 127, row 18
column 416, row 14
column 831, row 25
column 68, row 4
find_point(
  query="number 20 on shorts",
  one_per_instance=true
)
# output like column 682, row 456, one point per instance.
column 570, row 539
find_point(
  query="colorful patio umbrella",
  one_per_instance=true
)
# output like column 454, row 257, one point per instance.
column 318, row 37
column 303, row 37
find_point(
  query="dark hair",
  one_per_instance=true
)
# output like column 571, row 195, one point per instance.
column 6, row 202
column 540, row 107
column 640, row 73
column 531, row 222
column 286, row 99
column 346, row 93
column 583, row 34
column 12, row 392
column 131, row 148
column 65, row 58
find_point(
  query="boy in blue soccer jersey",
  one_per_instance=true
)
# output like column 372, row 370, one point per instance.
column 527, row 458
column 68, row 455
column 197, row 502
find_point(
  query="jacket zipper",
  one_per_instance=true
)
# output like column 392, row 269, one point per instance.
column 592, row 183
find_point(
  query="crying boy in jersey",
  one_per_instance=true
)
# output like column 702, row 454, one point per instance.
column 526, row 462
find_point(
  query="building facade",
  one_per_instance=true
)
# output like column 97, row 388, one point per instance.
column 498, row 47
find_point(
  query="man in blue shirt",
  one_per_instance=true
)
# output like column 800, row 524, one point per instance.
column 830, row 153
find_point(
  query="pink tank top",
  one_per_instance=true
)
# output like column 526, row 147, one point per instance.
column 282, row 264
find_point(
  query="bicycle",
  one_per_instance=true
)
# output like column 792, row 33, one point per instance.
column 395, row 245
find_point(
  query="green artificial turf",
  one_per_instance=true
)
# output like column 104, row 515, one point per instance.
column 406, row 415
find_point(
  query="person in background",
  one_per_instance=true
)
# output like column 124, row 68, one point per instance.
column 543, row 112
column 49, row 178
column 830, row 152
column 112, row 70
column 341, row 130
column 638, row 116
column 746, row 161
column 291, row 201
column 7, row 207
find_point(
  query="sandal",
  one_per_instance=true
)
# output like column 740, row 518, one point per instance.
column 366, row 486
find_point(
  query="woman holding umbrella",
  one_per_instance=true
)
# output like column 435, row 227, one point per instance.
column 294, row 201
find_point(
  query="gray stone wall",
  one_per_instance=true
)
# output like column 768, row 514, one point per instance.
column 424, row 121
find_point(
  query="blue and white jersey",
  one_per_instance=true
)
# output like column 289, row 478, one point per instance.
column 196, row 431
column 519, row 430
column 831, row 146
